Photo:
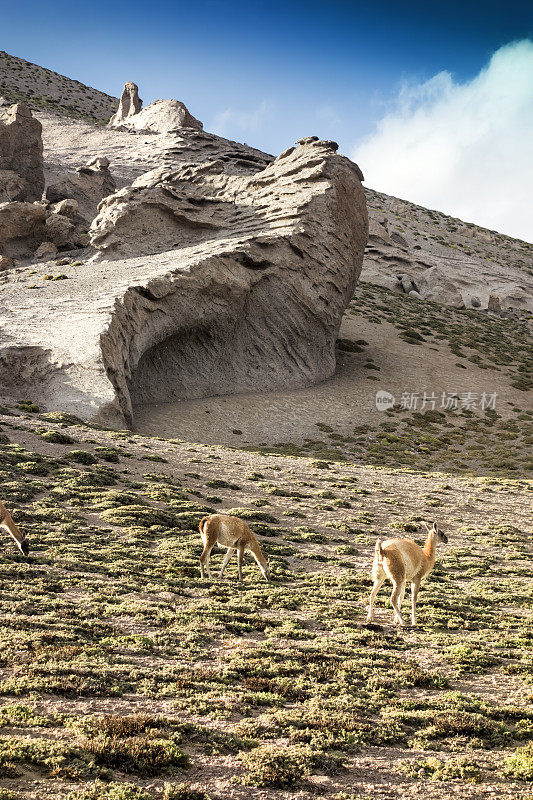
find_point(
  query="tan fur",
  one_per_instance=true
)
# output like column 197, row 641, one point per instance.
column 6, row 522
column 233, row 533
column 402, row 560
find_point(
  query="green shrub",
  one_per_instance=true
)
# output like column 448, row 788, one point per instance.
column 80, row 457
column 278, row 767
column 252, row 514
column 519, row 765
column 180, row 791
column 438, row 770
column 220, row 483
column 56, row 437
column 110, row 791
column 140, row 755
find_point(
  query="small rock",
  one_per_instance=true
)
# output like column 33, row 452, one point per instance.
column 307, row 140
column 45, row 252
column 59, row 230
column 494, row 304
column 329, row 143
column 408, row 283
column 398, row 239
column 6, row 262
column 100, row 162
column 475, row 302
column 67, row 208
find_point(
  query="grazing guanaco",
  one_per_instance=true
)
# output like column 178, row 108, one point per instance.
column 403, row 560
column 6, row 522
column 233, row 533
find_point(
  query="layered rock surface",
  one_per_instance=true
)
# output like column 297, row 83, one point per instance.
column 249, row 272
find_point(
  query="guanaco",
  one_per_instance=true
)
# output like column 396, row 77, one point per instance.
column 6, row 522
column 403, row 560
column 233, row 533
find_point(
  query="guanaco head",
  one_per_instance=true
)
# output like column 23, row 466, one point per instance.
column 24, row 547
column 437, row 531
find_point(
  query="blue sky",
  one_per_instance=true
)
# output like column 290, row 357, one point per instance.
column 269, row 73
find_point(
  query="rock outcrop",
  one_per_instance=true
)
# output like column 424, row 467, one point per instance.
column 88, row 186
column 21, row 153
column 129, row 104
column 162, row 116
column 442, row 259
column 251, row 268
column 22, row 228
column 12, row 186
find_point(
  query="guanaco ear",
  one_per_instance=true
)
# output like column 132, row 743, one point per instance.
column 435, row 526
column 426, row 526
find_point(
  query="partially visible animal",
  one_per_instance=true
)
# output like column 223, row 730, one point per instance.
column 233, row 533
column 6, row 522
column 402, row 560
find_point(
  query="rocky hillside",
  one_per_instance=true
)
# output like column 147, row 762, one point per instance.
column 441, row 258
column 41, row 88
column 411, row 249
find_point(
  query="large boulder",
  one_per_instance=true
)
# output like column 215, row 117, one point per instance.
column 22, row 228
column 21, row 150
column 88, row 186
column 162, row 116
column 243, row 288
column 130, row 103
column 12, row 186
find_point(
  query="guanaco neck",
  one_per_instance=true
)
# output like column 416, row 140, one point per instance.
column 430, row 547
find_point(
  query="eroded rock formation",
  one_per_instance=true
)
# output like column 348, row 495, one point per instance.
column 21, row 153
column 130, row 103
column 162, row 116
column 87, row 186
column 249, row 272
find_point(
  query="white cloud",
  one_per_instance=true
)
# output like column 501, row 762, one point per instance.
column 232, row 122
column 464, row 149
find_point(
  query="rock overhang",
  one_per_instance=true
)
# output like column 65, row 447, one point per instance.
column 249, row 296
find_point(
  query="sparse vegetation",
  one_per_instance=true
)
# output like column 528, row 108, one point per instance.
column 283, row 678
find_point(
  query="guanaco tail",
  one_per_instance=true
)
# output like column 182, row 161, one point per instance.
column 233, row 533
column 6, row 522
column 402, row 560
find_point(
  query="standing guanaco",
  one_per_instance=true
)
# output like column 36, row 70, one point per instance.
column 233, row 533
column 403, row 560
column 6, row 522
